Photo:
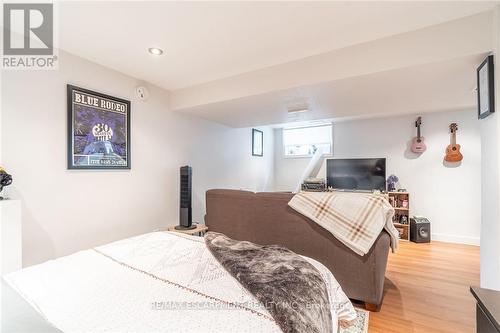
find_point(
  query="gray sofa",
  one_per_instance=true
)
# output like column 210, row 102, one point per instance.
column 266, row 218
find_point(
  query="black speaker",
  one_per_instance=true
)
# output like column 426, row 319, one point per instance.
column 420, row 230
column 185, row 210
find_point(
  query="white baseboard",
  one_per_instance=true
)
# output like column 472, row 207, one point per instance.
column 455, row 239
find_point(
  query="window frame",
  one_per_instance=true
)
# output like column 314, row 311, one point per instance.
column 305, row 156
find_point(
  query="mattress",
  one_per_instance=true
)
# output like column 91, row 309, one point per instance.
column 156, row 282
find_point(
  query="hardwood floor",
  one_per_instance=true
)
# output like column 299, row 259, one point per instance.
column 427, row 289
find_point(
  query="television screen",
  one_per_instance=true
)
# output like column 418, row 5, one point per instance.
column 356, row 174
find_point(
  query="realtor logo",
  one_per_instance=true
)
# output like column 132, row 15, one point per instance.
column 28, row 36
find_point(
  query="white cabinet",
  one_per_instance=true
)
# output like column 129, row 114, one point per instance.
column 11, row 235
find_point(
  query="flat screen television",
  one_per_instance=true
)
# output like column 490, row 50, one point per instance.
column 356, row 173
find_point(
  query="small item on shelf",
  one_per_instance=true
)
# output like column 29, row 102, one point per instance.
column 401, row 203
column 5, row 180
column 392, row 180
column 402, row 190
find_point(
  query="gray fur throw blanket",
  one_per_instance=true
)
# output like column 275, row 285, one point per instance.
column 290, row 288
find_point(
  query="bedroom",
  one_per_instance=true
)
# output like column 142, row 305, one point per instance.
column 200, row 76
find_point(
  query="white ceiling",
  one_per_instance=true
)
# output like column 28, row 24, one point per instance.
column 440, row 86
column 206, row 41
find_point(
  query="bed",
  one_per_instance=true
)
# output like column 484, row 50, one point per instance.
column 156, row 282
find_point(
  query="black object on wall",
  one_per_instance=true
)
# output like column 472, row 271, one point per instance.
column 486, row 88
column 185, row 209
column 420, row 230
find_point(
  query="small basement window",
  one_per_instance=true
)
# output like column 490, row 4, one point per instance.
column 304, row 141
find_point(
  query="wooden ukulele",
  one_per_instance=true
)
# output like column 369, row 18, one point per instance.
column 418, row 146
column 453, row 150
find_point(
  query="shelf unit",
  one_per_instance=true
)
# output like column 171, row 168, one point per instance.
column 401, row 203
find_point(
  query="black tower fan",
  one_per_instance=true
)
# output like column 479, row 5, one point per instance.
column 185, row 209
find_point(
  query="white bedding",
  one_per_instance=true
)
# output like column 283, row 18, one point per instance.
column 156, row 282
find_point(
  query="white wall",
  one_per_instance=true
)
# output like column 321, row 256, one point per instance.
column 490, row 224
column 449, row 196
column 65, row 211
column 221, row 158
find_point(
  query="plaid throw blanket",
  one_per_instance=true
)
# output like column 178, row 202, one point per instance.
column 356, row 219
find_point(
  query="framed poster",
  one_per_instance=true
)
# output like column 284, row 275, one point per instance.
column 98, row 130
column 485, row 88
column 257, row 142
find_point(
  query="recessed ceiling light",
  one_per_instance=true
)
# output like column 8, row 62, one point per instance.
column 155, row 51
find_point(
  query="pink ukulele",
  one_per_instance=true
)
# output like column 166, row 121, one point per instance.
column 418, row 146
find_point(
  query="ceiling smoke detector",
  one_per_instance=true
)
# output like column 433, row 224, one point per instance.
column 142, row 93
